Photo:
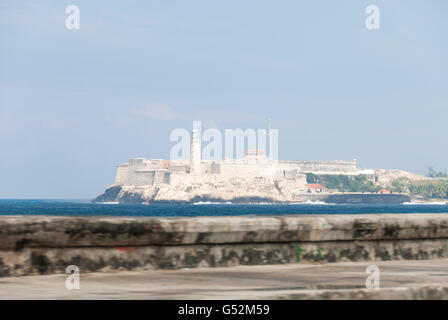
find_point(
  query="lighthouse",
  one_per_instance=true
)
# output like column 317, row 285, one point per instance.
column 195, row 152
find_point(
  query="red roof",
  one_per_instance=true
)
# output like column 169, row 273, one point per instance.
column 315, row 186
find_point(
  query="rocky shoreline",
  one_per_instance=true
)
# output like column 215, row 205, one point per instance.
column 151, row 194
column 138, row 195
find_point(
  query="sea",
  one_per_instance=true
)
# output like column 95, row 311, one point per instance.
column 86, row 208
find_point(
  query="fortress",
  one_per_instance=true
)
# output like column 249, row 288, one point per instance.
column 141, row 171
column 255, row 163
column 255, row 177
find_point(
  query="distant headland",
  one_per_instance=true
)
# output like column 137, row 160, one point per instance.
column 255, row 178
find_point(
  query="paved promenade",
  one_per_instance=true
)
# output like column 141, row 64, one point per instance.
column 427, row 279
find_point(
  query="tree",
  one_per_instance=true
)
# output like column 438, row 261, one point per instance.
column 434, row 173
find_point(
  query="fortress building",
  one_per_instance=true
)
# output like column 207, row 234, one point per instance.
column 255, row 164
column 256, row 176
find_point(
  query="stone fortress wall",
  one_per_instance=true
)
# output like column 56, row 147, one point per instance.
column 140, row 171
column 255, row 164
column 121, row 176
column 332, row 166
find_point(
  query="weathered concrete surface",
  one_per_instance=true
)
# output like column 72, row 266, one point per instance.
column 44, row 245
column 93, row 259
column 17, row 232
column 398, row 280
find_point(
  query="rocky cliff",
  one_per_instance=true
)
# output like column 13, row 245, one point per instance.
column 237, row 190
column 233, row 189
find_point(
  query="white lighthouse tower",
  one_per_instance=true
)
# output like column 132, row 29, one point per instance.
column 195, row 151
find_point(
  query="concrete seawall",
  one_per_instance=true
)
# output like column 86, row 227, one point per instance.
column 356, row 197
column 43, row 245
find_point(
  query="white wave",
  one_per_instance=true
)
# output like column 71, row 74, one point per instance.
column 110, row 202
column 262, row 203
column 308, row 202
column 311, row 202
column 425, row 203
column 210, row 202
column 288, row 203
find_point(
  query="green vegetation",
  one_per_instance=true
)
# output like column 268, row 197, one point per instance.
column 434, row 173
column 429, row 189
column 343, row 183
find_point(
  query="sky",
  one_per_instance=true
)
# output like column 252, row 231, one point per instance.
column 75, row 103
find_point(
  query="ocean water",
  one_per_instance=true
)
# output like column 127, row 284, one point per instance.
column 85, row 208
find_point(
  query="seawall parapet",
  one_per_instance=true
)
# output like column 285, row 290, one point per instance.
column 48, row 244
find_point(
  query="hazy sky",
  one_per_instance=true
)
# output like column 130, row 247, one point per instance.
column 74, row 103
